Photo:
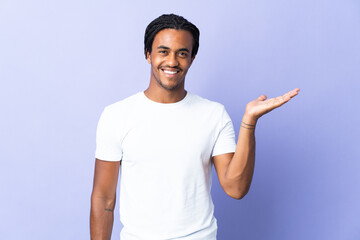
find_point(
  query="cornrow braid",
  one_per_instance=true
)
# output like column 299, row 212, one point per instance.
column 171, row 21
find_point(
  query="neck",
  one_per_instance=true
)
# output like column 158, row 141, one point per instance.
column 162, row 95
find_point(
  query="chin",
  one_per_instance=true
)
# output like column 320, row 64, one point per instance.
column 169, row 86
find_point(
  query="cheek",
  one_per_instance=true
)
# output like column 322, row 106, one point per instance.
column 156, row 62
column 186, row 65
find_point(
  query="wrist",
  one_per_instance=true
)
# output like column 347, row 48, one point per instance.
column 249, row 120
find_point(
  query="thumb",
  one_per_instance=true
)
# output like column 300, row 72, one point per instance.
column 262, row 97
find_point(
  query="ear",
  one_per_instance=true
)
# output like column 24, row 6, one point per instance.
column 192, row 59
column 148, row 58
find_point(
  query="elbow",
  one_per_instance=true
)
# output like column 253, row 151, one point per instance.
column 237, row 196
column 237, row 192
column 236, row 188
column 101, row 201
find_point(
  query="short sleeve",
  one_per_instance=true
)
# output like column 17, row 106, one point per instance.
column 225, row 142
column 108, row 144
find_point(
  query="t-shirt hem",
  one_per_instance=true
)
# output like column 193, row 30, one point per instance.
column 229, row 150
column 108, row 158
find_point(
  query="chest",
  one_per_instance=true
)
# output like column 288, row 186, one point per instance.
column 171, row 139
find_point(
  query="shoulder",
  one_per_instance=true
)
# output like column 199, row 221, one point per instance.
column 209, row 112
column 213, row 110
column 123, row 105
column 206, row 104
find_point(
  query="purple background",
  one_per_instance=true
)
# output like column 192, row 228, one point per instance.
column 62, row 62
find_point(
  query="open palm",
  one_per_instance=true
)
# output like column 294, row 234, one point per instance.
column 261, row 106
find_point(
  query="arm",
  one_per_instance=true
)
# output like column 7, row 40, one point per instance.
column 235, row 170
column 103, row 199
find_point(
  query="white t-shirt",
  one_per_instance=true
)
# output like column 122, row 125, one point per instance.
column 165, row 174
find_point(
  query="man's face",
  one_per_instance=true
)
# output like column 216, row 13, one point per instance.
column 170, row 58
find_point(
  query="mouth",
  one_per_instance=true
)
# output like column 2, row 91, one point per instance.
column 170, row 72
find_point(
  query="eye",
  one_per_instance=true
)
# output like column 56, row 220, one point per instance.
column 183, row 54
column 162, row 52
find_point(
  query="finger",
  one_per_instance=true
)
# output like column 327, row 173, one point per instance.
column 278, row 101
column 287, row 96
column 262, row 97
column 294, row 92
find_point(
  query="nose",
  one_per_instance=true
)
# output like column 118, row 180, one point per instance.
column 172, row 60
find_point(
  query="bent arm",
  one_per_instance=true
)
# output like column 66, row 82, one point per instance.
column 235, row 170
column 103, row 199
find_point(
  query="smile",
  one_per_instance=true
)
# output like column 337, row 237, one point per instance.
column 170, row 72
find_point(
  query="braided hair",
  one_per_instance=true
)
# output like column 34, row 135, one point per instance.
column 171, row 21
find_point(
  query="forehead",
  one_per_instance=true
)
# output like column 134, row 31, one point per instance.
column 173, row 39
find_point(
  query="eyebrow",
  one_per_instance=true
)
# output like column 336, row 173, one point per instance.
column 184, row 49
column 162, row 47
column 167, row 48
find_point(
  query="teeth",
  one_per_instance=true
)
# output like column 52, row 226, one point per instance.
column 169, row 72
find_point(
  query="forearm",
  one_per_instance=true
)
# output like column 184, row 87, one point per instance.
column 241, row 167
column 101, row 218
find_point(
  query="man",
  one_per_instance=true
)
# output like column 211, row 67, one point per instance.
column 166, row 140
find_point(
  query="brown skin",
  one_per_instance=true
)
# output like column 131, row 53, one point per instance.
column 235, row 170
column 103, row 199
column 171, row 51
